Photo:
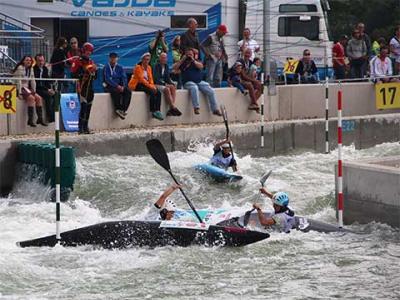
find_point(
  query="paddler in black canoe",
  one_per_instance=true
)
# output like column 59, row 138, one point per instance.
column 164, row 208
column 223, row 157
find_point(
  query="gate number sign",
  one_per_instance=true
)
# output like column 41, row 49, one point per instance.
column 8, row 99
column 387, row 95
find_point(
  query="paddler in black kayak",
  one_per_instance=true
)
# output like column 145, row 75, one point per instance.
column 283, row 217
column 164, row 208
column 223, row 157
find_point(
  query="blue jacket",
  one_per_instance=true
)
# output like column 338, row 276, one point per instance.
column 159, row 78
column 114, row 77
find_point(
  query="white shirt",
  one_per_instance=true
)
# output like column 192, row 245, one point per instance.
column 251, row 44
column 380, row 68
column 395, row 45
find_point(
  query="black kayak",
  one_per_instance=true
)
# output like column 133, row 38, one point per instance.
column 126, row 234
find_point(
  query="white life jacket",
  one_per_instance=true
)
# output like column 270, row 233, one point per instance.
column 220, row 161
column 283, row 222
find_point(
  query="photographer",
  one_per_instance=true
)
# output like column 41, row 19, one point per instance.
column 156, row 47
column 191, row 71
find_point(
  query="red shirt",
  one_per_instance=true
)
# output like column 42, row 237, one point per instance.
column 338, row 51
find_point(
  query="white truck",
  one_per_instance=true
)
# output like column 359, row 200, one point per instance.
column 127, row 26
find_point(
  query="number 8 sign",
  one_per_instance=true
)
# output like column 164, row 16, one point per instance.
column 8, row 99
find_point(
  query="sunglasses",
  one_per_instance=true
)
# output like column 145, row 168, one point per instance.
column 307, row 54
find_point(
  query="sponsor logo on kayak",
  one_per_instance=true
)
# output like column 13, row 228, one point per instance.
column 182, row 224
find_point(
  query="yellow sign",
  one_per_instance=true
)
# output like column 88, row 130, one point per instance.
column 8, row 99
column 290, row 66
column 387, row 95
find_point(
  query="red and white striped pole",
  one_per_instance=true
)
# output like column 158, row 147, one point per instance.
column 340, row 163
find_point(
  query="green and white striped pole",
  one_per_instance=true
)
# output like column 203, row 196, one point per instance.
column 57, row 158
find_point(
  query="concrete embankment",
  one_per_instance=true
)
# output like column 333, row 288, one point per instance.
column 291, row 102
column 371, row 189
column 280, row 136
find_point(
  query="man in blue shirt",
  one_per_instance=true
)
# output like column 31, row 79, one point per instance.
column 192, row 75
column 115, row 83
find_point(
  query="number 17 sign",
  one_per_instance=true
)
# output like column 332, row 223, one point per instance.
column 387, row 95
column 8, row 99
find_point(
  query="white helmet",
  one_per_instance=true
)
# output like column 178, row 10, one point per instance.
column 226, row 145
column 170, row 205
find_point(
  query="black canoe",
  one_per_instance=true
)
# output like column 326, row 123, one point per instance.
column 126, row 234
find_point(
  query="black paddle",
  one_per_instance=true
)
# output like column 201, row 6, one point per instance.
column 225, row 117
column 157, row 151
column 246, row 217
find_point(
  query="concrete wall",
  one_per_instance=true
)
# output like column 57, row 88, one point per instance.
column 291, row 102
column 371, row 191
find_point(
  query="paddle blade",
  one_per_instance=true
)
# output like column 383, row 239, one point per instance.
column 158, row 153
column 265, row 177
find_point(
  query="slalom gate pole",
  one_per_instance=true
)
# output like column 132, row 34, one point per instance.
column 326, row 114
column 262, row 112
column 57, row 158
column 340, row 162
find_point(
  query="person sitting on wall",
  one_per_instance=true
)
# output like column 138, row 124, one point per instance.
column 43, row 87
column 307, row 69
column 381, row 67
column 27, row 89
column 86, row 71
column 116, row 83
column 234, row 77
column 142, row 80
column 191, row 71
column 165, row 85
column 223, row 157
column 253, row 85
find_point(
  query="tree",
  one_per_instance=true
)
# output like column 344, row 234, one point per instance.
column 379, row 16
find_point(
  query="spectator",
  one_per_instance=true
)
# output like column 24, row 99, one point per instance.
column 214, row 49
column 307, row 69
column 116, row 83
column 377, row 45
column 74, row 51
column 191, row 71
column 43, row 87
column 395, row 50
column 253, row 85
column 157, row 46
column 58, row 60
column 239, row 79
column 247, row 61
column 234, row 77
column 165, row 85
column 190, row 39
column 142, row 80
column 256, row 68
column 365, row 37
column 86, row 71
column 381, row 66
column 248, row 43
column 338, row 52
column 27, row 89
column 176, row 56
column 357, row 53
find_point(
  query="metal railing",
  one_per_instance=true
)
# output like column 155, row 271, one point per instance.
column 20, row 39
